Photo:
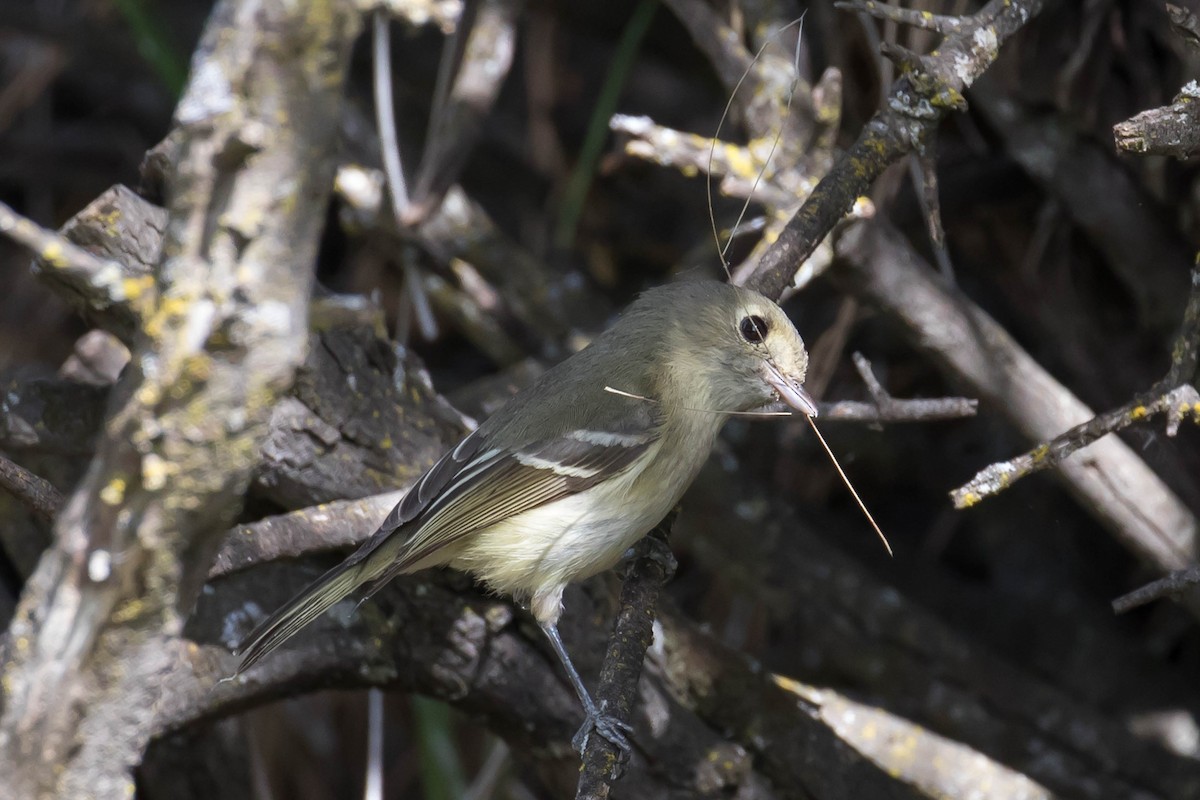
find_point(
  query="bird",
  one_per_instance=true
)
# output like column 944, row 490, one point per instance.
column 563, row 479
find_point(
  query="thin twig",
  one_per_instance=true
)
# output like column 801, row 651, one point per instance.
column 393, row 168
column 923, row 168
column 1174, row 395
column 918, row 410
column 885, row 408
column 1175, row 583
column 915, row 18
column 1179, row 403
column 385, row 113
column 37, row 493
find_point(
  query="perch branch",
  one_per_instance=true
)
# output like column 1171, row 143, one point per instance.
column 633, row 631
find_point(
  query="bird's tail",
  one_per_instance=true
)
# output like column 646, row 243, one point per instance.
column 377, row 557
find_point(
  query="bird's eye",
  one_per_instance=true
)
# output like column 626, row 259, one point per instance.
column 753, row 328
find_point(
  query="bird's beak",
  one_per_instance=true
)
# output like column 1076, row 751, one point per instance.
column 791, row 392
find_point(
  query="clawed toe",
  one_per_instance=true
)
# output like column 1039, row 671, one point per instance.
column 610, row 728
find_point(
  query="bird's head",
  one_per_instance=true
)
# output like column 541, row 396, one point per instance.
column 742, row 344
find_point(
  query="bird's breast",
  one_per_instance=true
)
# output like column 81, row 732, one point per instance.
column 583, row 534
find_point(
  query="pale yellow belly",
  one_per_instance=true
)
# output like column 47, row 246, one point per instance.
column 564, row 541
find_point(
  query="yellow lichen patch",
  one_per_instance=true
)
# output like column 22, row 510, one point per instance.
column 197, row 366
column 386, row 443
column 155, row 471
column 181, row 388
column 127, row 611
column 114, row 492
column 904, row 748
column 740, row 162
column 1138, row 412
column 53, row 255
column 259, row 398
column 148, row 394
column 1039, row 453
column 787, row 684
column 170, row 308
column 134, row 288
column 968, row 499
column 109, row 220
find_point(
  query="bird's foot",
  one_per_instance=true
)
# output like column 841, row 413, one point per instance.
column 655, row 549
column 608, row 727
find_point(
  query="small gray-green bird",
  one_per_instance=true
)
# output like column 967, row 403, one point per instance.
column 563, row 479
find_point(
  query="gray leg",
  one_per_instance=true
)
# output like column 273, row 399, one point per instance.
column 606, row 725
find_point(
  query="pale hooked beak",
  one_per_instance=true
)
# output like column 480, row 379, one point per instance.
column 791, row 392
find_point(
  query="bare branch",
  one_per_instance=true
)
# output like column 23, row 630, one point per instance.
column 1173, row 396
column 1172, row 130
column 105, row 285
column 487, row 57
column 885, row 408
column 1175, row 584
column 938, row 23
column 1178, row 404
column 37, row 493
column 916, row 105
column 98, row 622
column 1186, row 25
column 1112, row 483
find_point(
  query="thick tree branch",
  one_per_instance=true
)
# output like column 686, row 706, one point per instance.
column 98, row 622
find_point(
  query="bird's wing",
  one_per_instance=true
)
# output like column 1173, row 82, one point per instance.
column 471, row 488
column 501, row 483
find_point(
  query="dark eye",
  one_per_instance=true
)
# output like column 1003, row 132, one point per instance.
column 753, row 328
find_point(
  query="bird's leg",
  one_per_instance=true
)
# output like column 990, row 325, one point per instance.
column 608, row 726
